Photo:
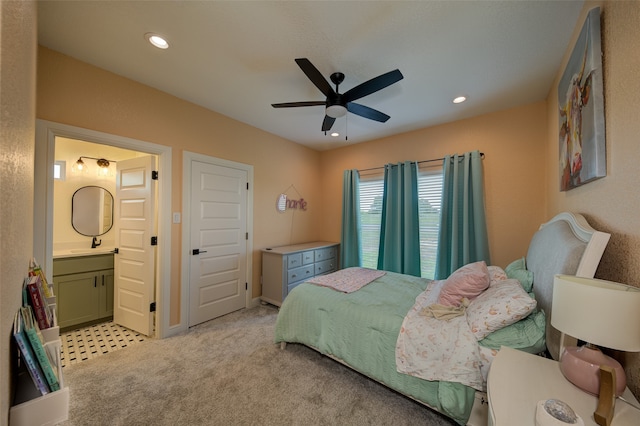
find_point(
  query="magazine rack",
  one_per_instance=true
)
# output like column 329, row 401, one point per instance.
column 36, row 409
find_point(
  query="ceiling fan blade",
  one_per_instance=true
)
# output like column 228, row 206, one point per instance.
column 315, row 76
column 373, row 85
column 366, row 112
column 299, row 104
column 327, row 123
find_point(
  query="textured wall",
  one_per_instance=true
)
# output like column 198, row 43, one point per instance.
column 17, row 131
column 611, row 204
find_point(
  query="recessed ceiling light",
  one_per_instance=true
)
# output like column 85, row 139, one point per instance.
column 459, row 99
column 335, row 134
column 156, row 40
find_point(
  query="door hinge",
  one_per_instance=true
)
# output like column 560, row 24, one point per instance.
column 247, row 186
column 115, row 250
column 246, row 237
column 152, row 307
column 246, row 286
column 154, row 174
column 154, row 241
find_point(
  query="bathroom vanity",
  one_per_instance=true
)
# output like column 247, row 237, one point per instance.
column 83, row 283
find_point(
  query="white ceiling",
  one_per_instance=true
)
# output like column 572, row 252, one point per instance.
column 237, row 57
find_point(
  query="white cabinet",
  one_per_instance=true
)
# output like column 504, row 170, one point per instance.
column 285, row 267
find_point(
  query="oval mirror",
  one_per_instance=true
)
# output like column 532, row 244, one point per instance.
column 92, row 211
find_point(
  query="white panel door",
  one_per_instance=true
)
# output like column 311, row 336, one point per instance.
column 218, row 272
column 134, row 264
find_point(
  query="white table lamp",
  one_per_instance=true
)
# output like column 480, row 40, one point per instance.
column 601, row 313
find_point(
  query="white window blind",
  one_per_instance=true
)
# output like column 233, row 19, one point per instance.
column 429, row 202
column 370, row 217
column 429, row 195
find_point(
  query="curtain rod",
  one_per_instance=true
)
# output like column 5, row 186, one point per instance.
column 419, row 162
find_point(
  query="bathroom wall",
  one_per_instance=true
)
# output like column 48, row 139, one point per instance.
column 69, row 150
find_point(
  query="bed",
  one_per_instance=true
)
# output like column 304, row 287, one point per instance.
column 368, row 329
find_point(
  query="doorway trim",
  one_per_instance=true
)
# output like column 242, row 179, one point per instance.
column 187, row 159
column 46, row 132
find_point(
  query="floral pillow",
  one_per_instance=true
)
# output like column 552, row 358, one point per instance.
column 496, row 274
column 466, row 282
column 500, row 305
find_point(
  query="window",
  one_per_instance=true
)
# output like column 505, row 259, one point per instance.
column 59, row 170
column 429, row 202
column 430, row 198
column 371, row 190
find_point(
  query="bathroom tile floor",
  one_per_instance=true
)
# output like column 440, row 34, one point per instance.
column 89, row 342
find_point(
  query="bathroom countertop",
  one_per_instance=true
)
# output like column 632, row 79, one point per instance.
column 82, row 252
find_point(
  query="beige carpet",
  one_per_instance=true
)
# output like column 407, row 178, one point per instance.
column 229, row 372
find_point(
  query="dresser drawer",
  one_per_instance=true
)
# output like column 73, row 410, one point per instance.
column 299, row 274
column 325, row 253
column 294, row 260
column 308, row 257
column 292, row 286
column 325, row 267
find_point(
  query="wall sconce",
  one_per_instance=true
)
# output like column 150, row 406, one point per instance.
column 103, row 165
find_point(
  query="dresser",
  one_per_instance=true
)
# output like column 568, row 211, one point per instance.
column 285, row 267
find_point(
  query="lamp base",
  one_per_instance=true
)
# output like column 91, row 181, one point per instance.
column 581, row 366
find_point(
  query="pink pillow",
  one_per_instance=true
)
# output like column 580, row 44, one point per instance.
column 468, row 281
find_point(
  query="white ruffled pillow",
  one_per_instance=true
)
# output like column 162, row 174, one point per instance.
column 502, row 304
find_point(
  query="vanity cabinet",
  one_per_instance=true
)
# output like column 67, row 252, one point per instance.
column 283, row 268
column 84, row 289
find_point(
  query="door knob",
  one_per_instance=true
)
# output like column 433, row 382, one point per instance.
column 198, row 251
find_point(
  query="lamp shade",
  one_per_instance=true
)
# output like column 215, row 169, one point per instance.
column 600, row 312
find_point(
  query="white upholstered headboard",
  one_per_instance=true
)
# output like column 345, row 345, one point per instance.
column 567, row 244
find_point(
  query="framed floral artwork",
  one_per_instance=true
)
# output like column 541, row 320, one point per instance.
column 581, row 110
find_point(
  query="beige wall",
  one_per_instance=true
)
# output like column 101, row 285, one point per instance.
column 513, row 144
column 611, row 204
column 76, row 93
column 17, row 132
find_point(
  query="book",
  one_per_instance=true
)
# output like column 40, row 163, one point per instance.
column 38, row 302
column 28, row 356
column 35, row 269
column 37, row 344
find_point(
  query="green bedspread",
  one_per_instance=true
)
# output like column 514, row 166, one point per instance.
column 361, row 329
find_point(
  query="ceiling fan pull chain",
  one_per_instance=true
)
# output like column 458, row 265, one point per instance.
column 346, row 128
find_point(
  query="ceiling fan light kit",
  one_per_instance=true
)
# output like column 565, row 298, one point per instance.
column 337, row 104
column 336, row 111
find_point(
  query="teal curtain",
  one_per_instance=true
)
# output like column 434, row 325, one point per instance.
column 399, row 229
column 351, row 240
column 463, row 229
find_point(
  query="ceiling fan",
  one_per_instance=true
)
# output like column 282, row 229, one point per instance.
column 337, row 104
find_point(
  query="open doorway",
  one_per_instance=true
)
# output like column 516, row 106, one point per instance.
column 47, row 133
column 87, row 226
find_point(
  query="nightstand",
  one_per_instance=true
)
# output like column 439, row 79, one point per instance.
column 518, row 380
